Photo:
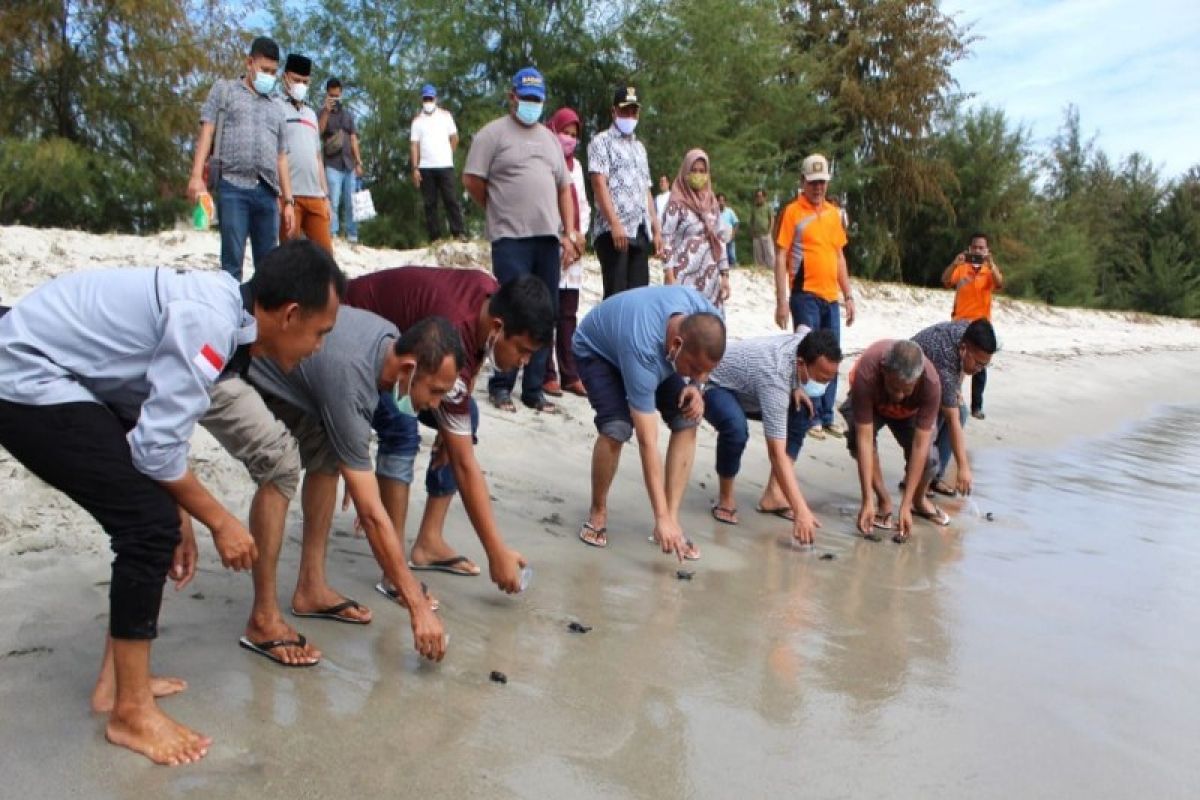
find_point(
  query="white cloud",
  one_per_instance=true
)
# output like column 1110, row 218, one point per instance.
column 1133, row 69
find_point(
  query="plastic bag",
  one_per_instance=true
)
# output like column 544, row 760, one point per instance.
column 364, row 206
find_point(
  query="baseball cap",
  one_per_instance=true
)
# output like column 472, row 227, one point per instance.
column 428, row 90
column 528, row 82
column 626, row 96
column 815, row 168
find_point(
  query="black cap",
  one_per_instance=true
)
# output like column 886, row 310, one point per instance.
column 626, row 96
column 298, row 64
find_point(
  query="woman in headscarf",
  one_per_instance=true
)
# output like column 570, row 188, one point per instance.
column 566, row 126
column 694, row 252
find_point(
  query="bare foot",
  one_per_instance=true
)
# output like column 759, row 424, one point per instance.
column 147, row 730
column 258, row 630
column 105, row 693
column 307, row 601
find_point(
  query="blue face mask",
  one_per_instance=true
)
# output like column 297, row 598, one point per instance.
column 812, row 388
column 405, row 403
column 529, row 112
column 264, row 82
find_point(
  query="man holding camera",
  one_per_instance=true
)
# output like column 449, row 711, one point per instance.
column 343, row 162
column 974, row 276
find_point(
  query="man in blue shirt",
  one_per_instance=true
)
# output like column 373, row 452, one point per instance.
column 636, row 352
column 103, row 376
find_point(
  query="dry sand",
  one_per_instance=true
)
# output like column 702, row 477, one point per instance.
column 683, row 689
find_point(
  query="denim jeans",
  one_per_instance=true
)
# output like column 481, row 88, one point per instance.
column 978, row 382
column 246, row 212
column 943, row 440
column 723, row 411
column 512, row 258
column 341, row 196
column 818, row 315
column 399, row 441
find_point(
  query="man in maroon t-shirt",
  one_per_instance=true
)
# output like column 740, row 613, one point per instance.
column 505, row 325
column 894, row 384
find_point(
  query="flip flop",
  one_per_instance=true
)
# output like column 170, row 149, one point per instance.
column 783, row 512
column 543, row 406
column 446, row 565
column 883, row 522
column 730, row 511
column 504, row 402
column 264, row 649
column 592, row 536
column 393, row 594
column 937, row 517
column 942, row 488
column 334, row 613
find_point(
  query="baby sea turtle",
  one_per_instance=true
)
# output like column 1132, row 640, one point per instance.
column 828, row 556
column 578, row 627
column 498, row 677
column 990, row 517
column 872, row 537
column 684, row 574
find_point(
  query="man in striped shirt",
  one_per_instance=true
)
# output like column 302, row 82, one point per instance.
column 775, row 379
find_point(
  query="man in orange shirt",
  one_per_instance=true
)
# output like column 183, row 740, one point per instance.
column 811, row 271
column 973, row 276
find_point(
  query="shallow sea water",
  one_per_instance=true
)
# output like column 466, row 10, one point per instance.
column 1051, row 652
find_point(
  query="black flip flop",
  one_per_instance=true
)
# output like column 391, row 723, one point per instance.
column 445, row 565
column 264, row 649
column 393, row 594
column 730, row 511
column 783, row 512
column 334, row 613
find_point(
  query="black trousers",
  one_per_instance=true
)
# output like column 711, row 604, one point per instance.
column 80, row 449
column 624, row 270
column 437, row 183
column 978, row 381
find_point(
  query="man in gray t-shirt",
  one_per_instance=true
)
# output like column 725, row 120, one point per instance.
column 242, row 127
column 328, row 402
column 517, row 173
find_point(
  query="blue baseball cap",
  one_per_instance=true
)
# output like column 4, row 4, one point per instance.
column 528, row 82
column 428, row 90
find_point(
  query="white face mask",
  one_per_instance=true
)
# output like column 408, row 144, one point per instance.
column 298, row 91
column 489, row 350
column 428, row 107
column 626, row 125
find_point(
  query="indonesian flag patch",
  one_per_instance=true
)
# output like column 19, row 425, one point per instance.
column 209, row 362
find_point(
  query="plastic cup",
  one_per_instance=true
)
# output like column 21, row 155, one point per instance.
column 526, row 577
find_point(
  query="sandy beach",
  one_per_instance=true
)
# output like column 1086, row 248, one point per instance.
column 890, row 671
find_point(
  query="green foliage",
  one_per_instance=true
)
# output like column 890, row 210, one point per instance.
column 100, row 100
column 102, row 95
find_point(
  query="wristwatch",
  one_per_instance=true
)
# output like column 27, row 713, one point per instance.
column 289, row 201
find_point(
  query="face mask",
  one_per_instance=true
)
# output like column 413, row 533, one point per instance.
column 264, row 82
column 529, row 112
column 489, row 350
column 813, row 388
column 428, row 108
column 673, row 355
column 697, row 180
column 626, row 125
column 569, row 143
column 298, row 91
column 405, row 403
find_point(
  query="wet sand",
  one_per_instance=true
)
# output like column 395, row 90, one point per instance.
column 1050, row 653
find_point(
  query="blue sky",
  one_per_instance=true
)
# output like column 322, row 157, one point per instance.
column 1132, row 68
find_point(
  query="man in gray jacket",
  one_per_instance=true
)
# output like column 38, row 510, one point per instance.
column 103, row 376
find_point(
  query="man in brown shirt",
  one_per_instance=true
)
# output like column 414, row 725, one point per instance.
column 894, row 384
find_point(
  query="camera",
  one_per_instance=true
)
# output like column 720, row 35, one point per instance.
column 975, row 258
